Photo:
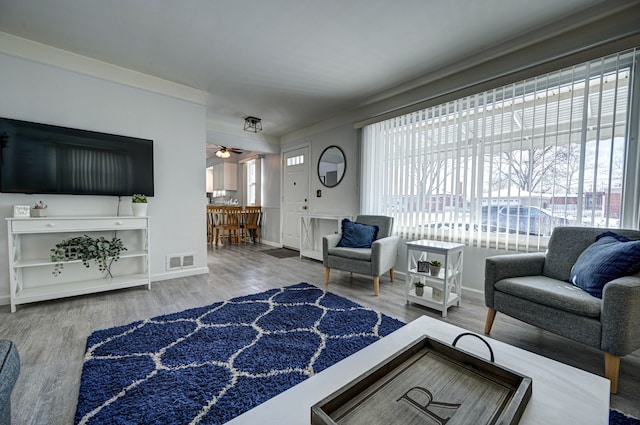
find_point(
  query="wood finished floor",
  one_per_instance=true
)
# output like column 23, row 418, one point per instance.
column 51, row 336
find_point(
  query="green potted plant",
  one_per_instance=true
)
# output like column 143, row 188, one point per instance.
column 419, row 288
column 39, row 210
column 434, row 267
column 139, row 205
column 86, row 249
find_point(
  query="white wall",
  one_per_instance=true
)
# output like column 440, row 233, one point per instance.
column 342, row 199
column 55, row 90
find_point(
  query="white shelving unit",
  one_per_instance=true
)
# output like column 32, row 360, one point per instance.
column 448, row 284
column 311, row 232
column 30, row 266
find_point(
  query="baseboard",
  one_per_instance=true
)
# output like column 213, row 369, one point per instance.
column 474, row 294
column 5, row 299
column 270, row 243
column 179, row 273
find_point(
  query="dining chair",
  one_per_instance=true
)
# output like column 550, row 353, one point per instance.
column 233, row 217
column 253, row 222
column 221, row 223
column 211, row 223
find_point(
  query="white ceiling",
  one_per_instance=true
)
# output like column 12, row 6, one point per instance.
column 292, row 63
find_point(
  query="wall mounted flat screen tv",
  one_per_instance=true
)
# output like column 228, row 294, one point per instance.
column 47, row 159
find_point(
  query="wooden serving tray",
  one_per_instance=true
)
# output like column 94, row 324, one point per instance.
column 429, row 382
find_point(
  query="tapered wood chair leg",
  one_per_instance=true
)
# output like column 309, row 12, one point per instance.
column 376, row 285
column 391, row 274
column 491, row 314
column 612, row 370
column 326, row 275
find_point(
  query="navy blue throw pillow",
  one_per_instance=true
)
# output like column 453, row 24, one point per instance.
column 611, row 256
column 357, row 235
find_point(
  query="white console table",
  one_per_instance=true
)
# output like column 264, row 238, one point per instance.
column 311, row 233
column 30, row 267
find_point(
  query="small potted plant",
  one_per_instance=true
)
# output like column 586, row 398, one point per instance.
column 419, row 288
column 39, row 210
column 139, row 205
column 434, row 267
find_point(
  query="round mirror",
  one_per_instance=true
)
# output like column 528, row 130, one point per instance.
column 331, row 166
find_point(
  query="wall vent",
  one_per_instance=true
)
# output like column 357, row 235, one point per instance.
column 188, row 261
column 180, row 261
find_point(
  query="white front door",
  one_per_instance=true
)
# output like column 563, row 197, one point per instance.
column 296, row 195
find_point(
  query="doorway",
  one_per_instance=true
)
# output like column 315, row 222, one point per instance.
column 295, row 194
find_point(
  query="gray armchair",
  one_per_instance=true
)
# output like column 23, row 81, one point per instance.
column 534, row 288
column 374, row 261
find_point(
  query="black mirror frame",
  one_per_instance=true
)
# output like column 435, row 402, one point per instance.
column 343, row 172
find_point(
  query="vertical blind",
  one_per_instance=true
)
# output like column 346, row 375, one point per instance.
column 502, row 168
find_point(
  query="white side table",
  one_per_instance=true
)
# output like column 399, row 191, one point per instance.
column 441, row 291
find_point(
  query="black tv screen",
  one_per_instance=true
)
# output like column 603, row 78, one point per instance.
column 47, row 159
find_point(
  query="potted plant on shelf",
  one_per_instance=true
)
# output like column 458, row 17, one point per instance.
column 39, row 210
column 139, row 205
column 434, row 267
column 85, row 248
column 419, row 288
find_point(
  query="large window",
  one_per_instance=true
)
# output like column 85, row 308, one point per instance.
column 504, row 167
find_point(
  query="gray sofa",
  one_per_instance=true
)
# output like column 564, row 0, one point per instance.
column 374, row 261
column 534, row 288
column 9, row 370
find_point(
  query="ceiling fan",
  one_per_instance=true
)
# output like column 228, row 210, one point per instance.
column 225, row 152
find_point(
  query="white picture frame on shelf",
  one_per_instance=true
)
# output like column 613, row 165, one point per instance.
column 21, row 211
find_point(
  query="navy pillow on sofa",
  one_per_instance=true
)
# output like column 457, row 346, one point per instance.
column 357, row 235
column 611, row 256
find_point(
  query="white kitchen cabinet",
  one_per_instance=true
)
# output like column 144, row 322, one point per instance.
column 209, row 179
column 225, row 176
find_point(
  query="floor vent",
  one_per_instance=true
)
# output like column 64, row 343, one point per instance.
column 180, row 261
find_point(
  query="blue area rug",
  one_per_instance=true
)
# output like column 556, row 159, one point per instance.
column 617, row 418
column 208, row 365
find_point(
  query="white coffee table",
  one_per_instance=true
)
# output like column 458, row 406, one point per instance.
column 561, row 394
